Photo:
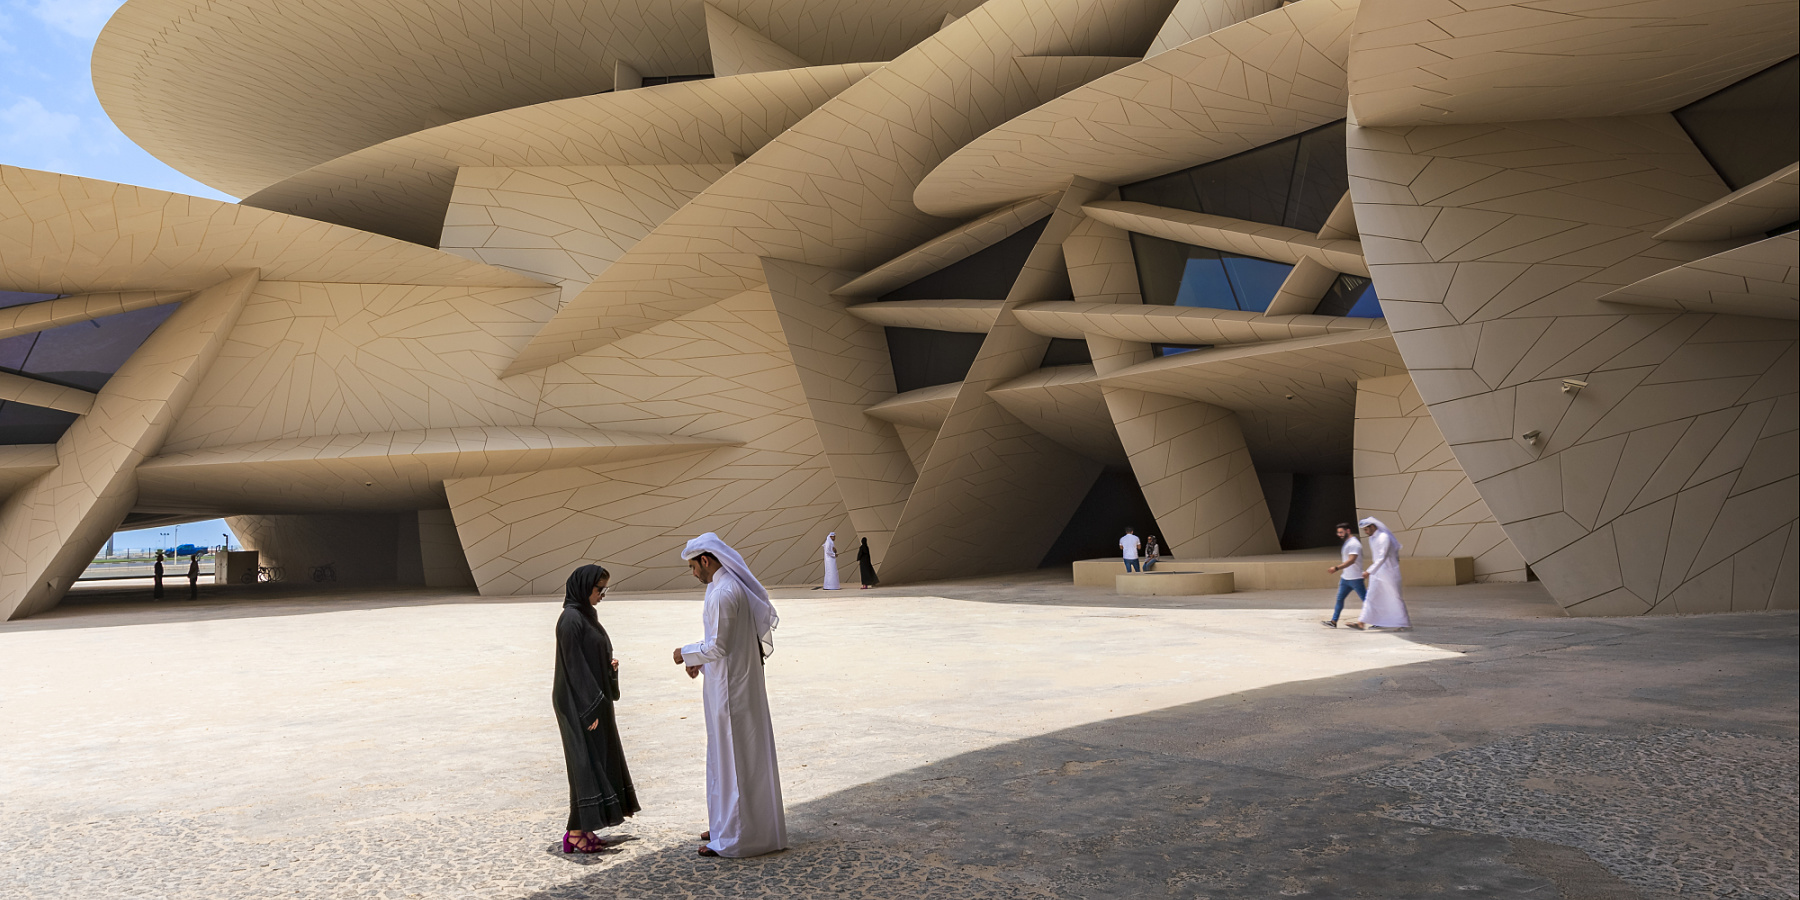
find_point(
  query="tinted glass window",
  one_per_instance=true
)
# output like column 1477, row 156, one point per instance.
column 20, row 298
column 923, row 357
column 1750, row 129
column 1066, row 352
column 1294, row 182
column 987, row 274
column 1173, row 349
column 1353, row 296
column 84, row 354
column 1176, row 274
column 21, row 424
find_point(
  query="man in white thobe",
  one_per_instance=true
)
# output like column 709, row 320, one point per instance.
column 1382, row 607
column 831, row 572
column 743, row 784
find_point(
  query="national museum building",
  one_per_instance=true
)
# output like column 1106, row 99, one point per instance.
column 517, row 285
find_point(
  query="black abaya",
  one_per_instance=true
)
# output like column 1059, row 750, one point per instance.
column 866, row 564
column 600, row 790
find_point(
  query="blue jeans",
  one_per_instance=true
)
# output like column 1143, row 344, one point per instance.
column 1345, row 586
column 1131, row 565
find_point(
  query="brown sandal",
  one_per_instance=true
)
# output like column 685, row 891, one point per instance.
column 706, row 835
column 1356, row 625
column 708, row 851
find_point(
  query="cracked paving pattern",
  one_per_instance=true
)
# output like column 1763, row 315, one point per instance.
column 1655, row 810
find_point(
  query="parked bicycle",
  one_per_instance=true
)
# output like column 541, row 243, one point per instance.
column 324, row 573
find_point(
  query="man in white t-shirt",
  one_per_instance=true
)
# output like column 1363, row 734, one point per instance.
column 1128, row 547
column 1349, row 571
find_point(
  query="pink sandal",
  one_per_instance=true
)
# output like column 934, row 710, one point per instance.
column 585, row 844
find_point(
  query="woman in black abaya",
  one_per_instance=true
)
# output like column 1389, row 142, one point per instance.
column 587, row 683
column 867, row 565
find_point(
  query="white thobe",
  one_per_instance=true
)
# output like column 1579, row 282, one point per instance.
column 743, row 783
column 1383, row 607
column 831, row 572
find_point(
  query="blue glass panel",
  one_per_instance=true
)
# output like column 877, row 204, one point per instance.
column 84, row 354
column 1255, row 280
column 20, row 298
column 21, row 424
column 1172, row 349
column 1204, row 283
column 1367, row 306
column 1351, row 295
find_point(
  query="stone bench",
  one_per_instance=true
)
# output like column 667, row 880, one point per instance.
column 1302, row 570
column 1174, row 584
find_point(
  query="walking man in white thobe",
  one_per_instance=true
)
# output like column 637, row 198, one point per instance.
column 743, row 784
column 1382, row 608
column 831, row 572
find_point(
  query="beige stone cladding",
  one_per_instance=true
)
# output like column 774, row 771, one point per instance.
column 1253, row 82
column 1407, row 477
column 721, row 373
column 241, row 93
column 1417, row 63
column 564, row 224
column 861, row 149
column 844, row 367
column 401, row 187
column 318, row 359
column 51, row 528
column 1640, row 461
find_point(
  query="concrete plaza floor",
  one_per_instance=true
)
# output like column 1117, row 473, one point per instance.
column 1012, row 738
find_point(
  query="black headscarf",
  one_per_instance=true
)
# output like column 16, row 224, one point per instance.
column 580, row 587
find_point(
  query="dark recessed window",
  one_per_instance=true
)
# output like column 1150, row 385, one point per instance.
column 20, row 298
column 85, row 354
column 1175, row 349
column 923, row 357
column 1294, row 182
column 653, row 80
column 1353, row 296
column 21, row 424
column 1066, row 352
column 1751, row 129
column 987, row 274
column 1171, row 273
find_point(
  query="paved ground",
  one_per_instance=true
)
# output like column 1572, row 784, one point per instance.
column 1002, row 738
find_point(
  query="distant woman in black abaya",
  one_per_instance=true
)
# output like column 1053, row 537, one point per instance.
column 587, row 683
column 866, row 563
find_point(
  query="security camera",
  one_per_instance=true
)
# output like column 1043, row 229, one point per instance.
column 1573, row 385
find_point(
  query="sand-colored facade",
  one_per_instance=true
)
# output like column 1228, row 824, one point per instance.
column 547, row 283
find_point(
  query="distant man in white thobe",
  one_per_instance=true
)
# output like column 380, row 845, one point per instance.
column 831, row 572
column 743, row 783
column 1382, row 608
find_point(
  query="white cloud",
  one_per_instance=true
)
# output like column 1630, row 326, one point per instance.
column 78, row 18
column 27, row 123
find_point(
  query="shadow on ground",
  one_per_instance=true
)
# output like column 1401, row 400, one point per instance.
column 1257, row 794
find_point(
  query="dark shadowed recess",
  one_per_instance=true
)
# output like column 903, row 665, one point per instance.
column 1066, row 352
column 987, row 274
column 22, row 424
column 923, row 357
column 1113, row 503
column 82, row 355
column 1750, row 129
column 1294, row 182
column 1306, row 507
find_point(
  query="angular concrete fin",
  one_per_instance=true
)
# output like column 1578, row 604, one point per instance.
column 738, row 49
column 844, row 368
column 51, row 528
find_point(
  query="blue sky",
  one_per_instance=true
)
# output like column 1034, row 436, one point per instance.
column 49, row 116
column 50, row 119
